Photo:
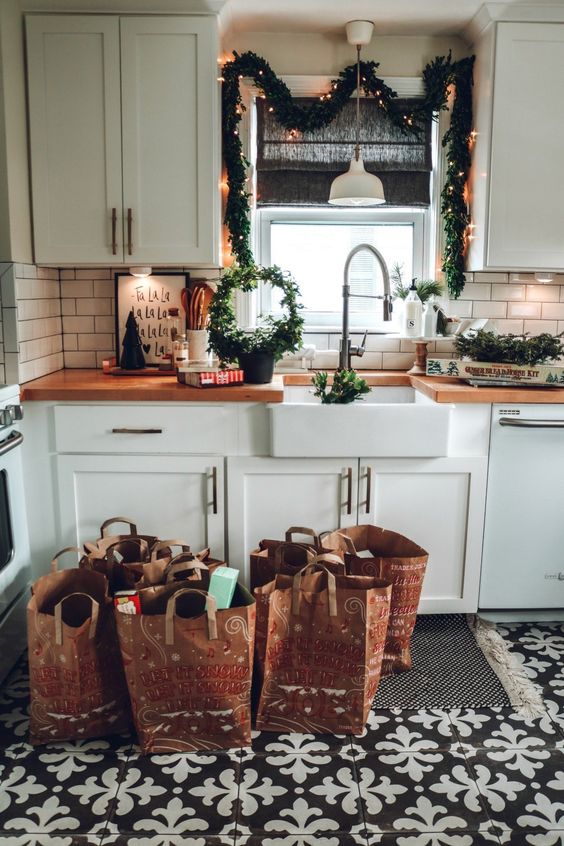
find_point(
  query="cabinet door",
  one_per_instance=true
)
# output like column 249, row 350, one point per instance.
column 267, row 495
column 75, row 136
column 169, row 496
column 170, row 139
column 439, row 504
column 526, row 215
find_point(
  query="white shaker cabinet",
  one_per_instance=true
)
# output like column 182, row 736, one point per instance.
column 518, row 173
column 438, row 503
column 267, row 495
column 124, row 129
column 172, row 496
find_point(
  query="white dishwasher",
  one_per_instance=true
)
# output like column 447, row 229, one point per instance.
column 523, row 555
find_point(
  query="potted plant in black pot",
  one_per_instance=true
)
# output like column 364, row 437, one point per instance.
column 256, row 350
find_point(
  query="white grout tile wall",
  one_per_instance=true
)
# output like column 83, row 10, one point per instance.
column 65, row 318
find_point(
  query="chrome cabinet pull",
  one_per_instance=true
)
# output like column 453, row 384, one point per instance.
column 137, row 431
column 524, row 423
column 13, row 440
column 349, row 473
column 368, row 489
column 214, row 490
column 114, row 231
column 129, row 232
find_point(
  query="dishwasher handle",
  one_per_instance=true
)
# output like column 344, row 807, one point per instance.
column 527, row 423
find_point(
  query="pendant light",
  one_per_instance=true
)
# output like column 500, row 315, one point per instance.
column 357, row 187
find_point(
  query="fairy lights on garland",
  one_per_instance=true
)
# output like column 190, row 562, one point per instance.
column 438, row 76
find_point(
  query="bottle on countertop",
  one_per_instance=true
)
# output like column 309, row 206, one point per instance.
column 430, row 317
column 412, row 313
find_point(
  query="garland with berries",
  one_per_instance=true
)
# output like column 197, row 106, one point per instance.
column 438, row 76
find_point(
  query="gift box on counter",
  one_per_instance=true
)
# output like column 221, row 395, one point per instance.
column 198, row 376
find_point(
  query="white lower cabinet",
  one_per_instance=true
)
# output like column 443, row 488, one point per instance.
column 172, row 496
column 267, row 495
column 438, row 503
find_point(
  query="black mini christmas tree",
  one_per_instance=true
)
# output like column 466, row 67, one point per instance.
column 132, row 357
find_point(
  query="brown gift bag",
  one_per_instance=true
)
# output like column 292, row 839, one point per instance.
column 107, row 539
column 324, row 652
column 122, row 562
column 77, row 682
column 189, row 668
column 403, row 563
column 263, row 593
column 287, row 556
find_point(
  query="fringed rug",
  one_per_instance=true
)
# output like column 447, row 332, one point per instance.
column 459, row 662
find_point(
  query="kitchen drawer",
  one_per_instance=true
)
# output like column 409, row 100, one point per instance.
column 198, row 430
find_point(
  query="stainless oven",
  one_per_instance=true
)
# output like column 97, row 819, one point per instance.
column 15, row 566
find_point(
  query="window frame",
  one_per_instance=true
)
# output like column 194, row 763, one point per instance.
column 326, row 321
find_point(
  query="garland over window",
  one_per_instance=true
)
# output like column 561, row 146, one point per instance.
column 438, row 76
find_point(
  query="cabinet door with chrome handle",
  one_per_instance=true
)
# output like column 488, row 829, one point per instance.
column 129, row 232
column 114, row 231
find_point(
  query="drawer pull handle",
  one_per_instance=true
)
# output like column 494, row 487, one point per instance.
column 129, row 232
column 349, row 473
column 368, row 488
column 137, row 431
column 114, row 230
column 214, row 490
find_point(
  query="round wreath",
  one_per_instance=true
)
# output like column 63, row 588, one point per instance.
column 275, row 336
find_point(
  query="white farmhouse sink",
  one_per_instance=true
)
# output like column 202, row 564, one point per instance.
column 388, row 423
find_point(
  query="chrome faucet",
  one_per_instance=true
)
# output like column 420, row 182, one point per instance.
column 346, row 350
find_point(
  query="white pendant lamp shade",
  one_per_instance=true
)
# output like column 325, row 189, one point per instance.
column 356, row 187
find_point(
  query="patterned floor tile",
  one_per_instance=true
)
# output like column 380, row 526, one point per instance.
column 165, row 840
column 283, row 794
column 533, row 838
column 435, row 838
column 188, row 795
column 503, row 728
column 419, row 792
column 266, row 741
column 302, row 840
column 49, row 840
column 59, row 793
column 406, row 731
column 521, row 792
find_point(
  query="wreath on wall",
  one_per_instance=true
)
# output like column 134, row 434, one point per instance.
column 438, row 76
column 275, row 336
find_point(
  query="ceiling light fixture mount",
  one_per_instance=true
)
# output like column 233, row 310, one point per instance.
column 357, row 187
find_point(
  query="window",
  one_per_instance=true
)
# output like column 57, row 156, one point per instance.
column 313, row 245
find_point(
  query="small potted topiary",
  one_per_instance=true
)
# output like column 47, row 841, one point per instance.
column 256, row 350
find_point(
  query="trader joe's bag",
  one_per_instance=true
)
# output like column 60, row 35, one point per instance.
column 324, row 652
column 189, row 668
column 372, row 551
column 77, row 683
column 287, row 556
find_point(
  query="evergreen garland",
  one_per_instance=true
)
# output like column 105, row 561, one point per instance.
column 437, row 75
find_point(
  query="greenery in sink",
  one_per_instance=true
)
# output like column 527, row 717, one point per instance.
column 347, row 386
column 509, row 349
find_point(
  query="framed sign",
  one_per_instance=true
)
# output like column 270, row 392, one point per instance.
column 150, row 298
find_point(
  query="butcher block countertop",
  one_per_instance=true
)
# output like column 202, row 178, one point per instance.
column 93, row 385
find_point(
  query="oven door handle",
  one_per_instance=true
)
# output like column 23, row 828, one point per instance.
column 11, row 442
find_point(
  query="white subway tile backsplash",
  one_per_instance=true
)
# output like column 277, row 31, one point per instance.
column 68, row 306
column 507, row 327
column 29, row 271
column 80, row 359
column 460, row 308
column 95, row 341
column 543, row 293
column 29, row 330
column 508, row 292
column 369, row 361
column 379, row 343
column 40, row 348
column 74, row 288
column 319, row 339
column 70, row 341
column 67, row 274
column 34, row 309
column 94, row 306
column 397, row 361
column 446, row 346
column 476, row 291
column 490, row 278
column 48, row 273
column 8, row 287
column 489, row 309
column 10, row 329
column 93, row 273
column 529, row 310
column 78, row 324
column 537, row 327
column 104, row 288
column 553, row 311
column 108, row 324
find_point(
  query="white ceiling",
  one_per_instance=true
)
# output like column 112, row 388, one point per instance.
column 391, row 17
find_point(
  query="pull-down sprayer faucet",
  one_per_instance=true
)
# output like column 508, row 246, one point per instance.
column 346, row 350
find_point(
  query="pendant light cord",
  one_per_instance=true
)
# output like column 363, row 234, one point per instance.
column 357, row 145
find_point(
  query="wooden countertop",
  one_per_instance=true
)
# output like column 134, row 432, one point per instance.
column 441, row 389
column 94, row 385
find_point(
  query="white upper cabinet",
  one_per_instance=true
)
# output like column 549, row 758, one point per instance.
column 75, row 129
column 518, row 172
column 124, row 123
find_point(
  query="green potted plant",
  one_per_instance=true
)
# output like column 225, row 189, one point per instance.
column 256, row 350
column 346, row 387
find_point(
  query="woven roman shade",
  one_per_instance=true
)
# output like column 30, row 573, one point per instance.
column 300, row 170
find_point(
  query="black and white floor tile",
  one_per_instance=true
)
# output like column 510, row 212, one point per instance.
column 456, row 777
